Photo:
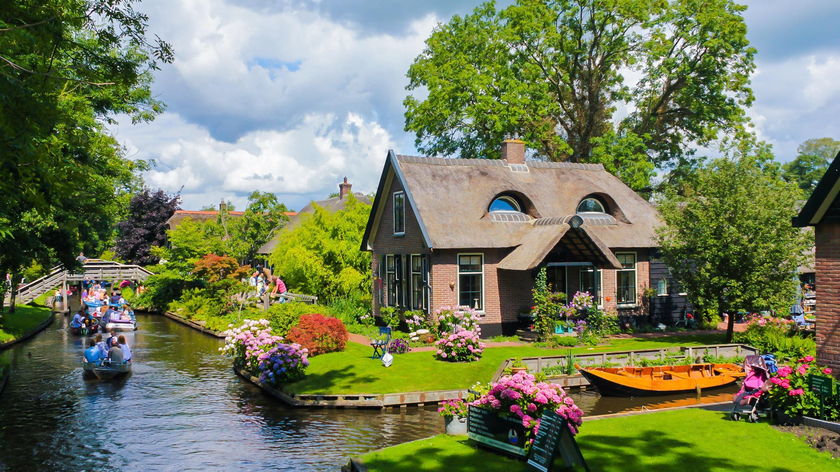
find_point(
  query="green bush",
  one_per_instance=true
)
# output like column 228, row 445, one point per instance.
column 285, row 316
column 349, row 311
column 778, row 337
column 163, row 289
column 564, row 341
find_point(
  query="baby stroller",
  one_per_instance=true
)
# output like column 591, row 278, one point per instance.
column 752, row 400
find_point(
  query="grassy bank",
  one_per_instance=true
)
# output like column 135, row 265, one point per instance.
column 353, row 371
column 23, row 320
column 687, row 440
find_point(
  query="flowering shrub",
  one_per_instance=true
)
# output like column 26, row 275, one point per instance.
column 777, row 336
column 367, row 319
column 253, row 347
column 398, row 346
column 415, row 320
column 450, row 408
column 521, row 395
column 452, row 319
column 791, row 394
column 463, row 346
column 581, row 300
column 319, row 334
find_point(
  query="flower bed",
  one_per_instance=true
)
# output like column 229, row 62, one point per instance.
column 791, row 394
column 256, row 350
column 463, row 346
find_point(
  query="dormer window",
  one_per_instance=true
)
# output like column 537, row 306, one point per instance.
column 505, row 204
column 591, row 205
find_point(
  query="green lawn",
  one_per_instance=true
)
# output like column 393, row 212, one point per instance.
column 353, row 371
column 22, row 321
column 686, row 440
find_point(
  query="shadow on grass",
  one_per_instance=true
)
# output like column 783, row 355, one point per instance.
column 466, row 458
column 328, row 382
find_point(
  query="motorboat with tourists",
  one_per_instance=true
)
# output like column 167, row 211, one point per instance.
column 105, row 370
column 121, row 320
column 661, row 380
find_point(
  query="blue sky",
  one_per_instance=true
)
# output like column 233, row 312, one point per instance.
column 290, row 96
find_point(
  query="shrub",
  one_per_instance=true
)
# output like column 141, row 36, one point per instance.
column 790, row 391
column 564, row 341
column 390, row 316
column 319, row 334
column 349, row 311
column 285, row 316
column 521, row 395
column 255, row 349
column 453, row 319
column 399, row 346
column 214, row 268
column 453, row 408
column 463, row 346
column 416, row 320
column 282, row 363
column 776, row 336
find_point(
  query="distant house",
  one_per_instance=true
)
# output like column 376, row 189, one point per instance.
column 475, row 232
column 822, row 211
column 332, row 204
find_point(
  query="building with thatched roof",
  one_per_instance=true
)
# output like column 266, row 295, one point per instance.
column 447, row 232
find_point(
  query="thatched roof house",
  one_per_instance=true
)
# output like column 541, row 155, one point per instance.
column 473, row 231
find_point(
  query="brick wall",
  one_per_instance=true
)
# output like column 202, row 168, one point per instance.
column 828, row 294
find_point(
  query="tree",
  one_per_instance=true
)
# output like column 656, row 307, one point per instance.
column 263, row 217
column 213, row 268
column 730, row 242
column 550, row 72
column 814, row 157
column 145, row 225
column 321, row 256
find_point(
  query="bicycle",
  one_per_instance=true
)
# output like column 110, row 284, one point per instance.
column 686, row 320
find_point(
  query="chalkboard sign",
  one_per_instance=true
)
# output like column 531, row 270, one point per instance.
column 501, row 433
column 554, row 437
column 821, row 385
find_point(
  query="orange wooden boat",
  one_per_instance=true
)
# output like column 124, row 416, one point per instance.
column 661, row 380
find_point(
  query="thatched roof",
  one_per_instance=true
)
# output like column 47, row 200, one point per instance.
column 332, row 204
column 201, row 216
column 451, row 198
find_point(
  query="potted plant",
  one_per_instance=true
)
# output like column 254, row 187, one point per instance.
column 518, row 366
column 454, row 413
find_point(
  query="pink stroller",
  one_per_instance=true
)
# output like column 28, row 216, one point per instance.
column 752, row 399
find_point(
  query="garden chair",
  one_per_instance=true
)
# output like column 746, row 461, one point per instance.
column 380, row 345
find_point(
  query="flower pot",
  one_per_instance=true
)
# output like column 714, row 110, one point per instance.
column 515, row 370
column 456, row 425
column 784, row 419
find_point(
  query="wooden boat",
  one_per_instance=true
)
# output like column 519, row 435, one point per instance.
column 106, row 371
column 661, row 380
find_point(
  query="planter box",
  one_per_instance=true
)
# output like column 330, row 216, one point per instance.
column 562, row 330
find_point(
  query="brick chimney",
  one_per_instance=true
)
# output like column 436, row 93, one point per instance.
column 222, row 205
column 344, row 189
column 513, row 151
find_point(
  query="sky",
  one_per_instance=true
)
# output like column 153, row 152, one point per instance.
column 290, row 96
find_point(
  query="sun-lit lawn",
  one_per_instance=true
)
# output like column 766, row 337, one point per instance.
column 685, row 440
column 353, row 370
column 23, row 320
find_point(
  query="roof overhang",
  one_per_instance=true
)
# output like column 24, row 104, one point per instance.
column 822, row 198
column 579, row 241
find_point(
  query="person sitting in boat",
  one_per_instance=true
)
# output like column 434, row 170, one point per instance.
column 115, row 354
column 100, row 344
column 77, row 321
column 112, row 339
column 755, row 381
column 126, row 351
column 126, row 314
column 89, row 321
column 92, row 354
column 115, row 299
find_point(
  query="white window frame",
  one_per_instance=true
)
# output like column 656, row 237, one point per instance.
column 411, row 288
column 483, row 284
column 394, row 213
column 635, row 302
column 510, row 200
column 599, row 285
column 658, row 287
column 388, row 284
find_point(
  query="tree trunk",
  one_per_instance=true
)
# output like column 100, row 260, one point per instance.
column 14, row 294
column 730, row 321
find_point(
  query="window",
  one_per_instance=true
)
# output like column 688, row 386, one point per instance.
column 662, row 287
column 399, row 213
column 590, row 205
column 556, row 278
column 417, row 285
column 591, row 280
column 390, row 281
column 471, row 281
column 625, row 283
column 505, row 204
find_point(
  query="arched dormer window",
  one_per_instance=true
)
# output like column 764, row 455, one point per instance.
column 591, row 205
column 505, row 203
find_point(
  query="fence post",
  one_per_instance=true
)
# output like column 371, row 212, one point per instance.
column 266, row 301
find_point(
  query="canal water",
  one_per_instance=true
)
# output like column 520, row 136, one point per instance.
column 183, row 408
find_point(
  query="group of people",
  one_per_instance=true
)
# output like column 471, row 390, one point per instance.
column 113, row 351
column 262, row 280
column 97, row 293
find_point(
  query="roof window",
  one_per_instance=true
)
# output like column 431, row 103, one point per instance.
column 505, row 204
column 591, row 205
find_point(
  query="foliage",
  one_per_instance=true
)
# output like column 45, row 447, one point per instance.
column 461, row 346
column 145, row 225
column 553, row 73
column 214, row 268
column 254, row 348
column 399, row 346
column 777, row 336
column 319, row 334
column 454, row 319
column 322, row 254
column 242, row 237
column 69, row 67
column 285, row 316
column 416, row 320
column 791, row 393
column 453, row 408
column 546, row 306
column 810, row 164
column 350, row 311
column 522, row 396
column 390, row 316
column 165, row 287
column 730, row 243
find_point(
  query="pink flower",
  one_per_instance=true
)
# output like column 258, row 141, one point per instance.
column 532, row 408
column 802, row 369
column 796, row 392
column 784, row 371
column 827, row 371
column 785, row 383
column 809, row 358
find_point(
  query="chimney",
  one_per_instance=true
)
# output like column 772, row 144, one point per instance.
column 344, row 189
column 513, row 151
column 222, row 205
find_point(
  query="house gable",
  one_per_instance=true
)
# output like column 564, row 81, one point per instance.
column 821, row 203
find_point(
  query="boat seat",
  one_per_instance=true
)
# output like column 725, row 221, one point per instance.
column 625, row 373
column 680, row 375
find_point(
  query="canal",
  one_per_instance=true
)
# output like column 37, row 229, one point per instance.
column 183, row 408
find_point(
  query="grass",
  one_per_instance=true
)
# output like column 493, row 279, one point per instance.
column 690, row 440
column 352, row 371
column 23, row 320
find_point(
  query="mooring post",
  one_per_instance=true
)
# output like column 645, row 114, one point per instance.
column 65, row 305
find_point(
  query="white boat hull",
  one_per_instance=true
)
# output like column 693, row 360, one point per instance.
column 121, row 326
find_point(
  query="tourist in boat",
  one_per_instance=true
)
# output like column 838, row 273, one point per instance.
column 77, row 320
column 112, row 339
column 126, row 351
column 754, row 381
column 100, row 344
column 106, row 317
column 115, row 354
column 92, row 354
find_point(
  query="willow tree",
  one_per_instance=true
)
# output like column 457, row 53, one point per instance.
column 554, row 74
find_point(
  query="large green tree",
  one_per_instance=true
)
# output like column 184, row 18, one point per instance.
column 67, row 67
column 813, row 158
column 730, row 241
column 553, row 73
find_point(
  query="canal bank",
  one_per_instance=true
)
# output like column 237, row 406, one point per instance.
column 19, row 324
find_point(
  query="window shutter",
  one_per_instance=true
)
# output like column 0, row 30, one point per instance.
column 427, row 286
column 383, row 275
